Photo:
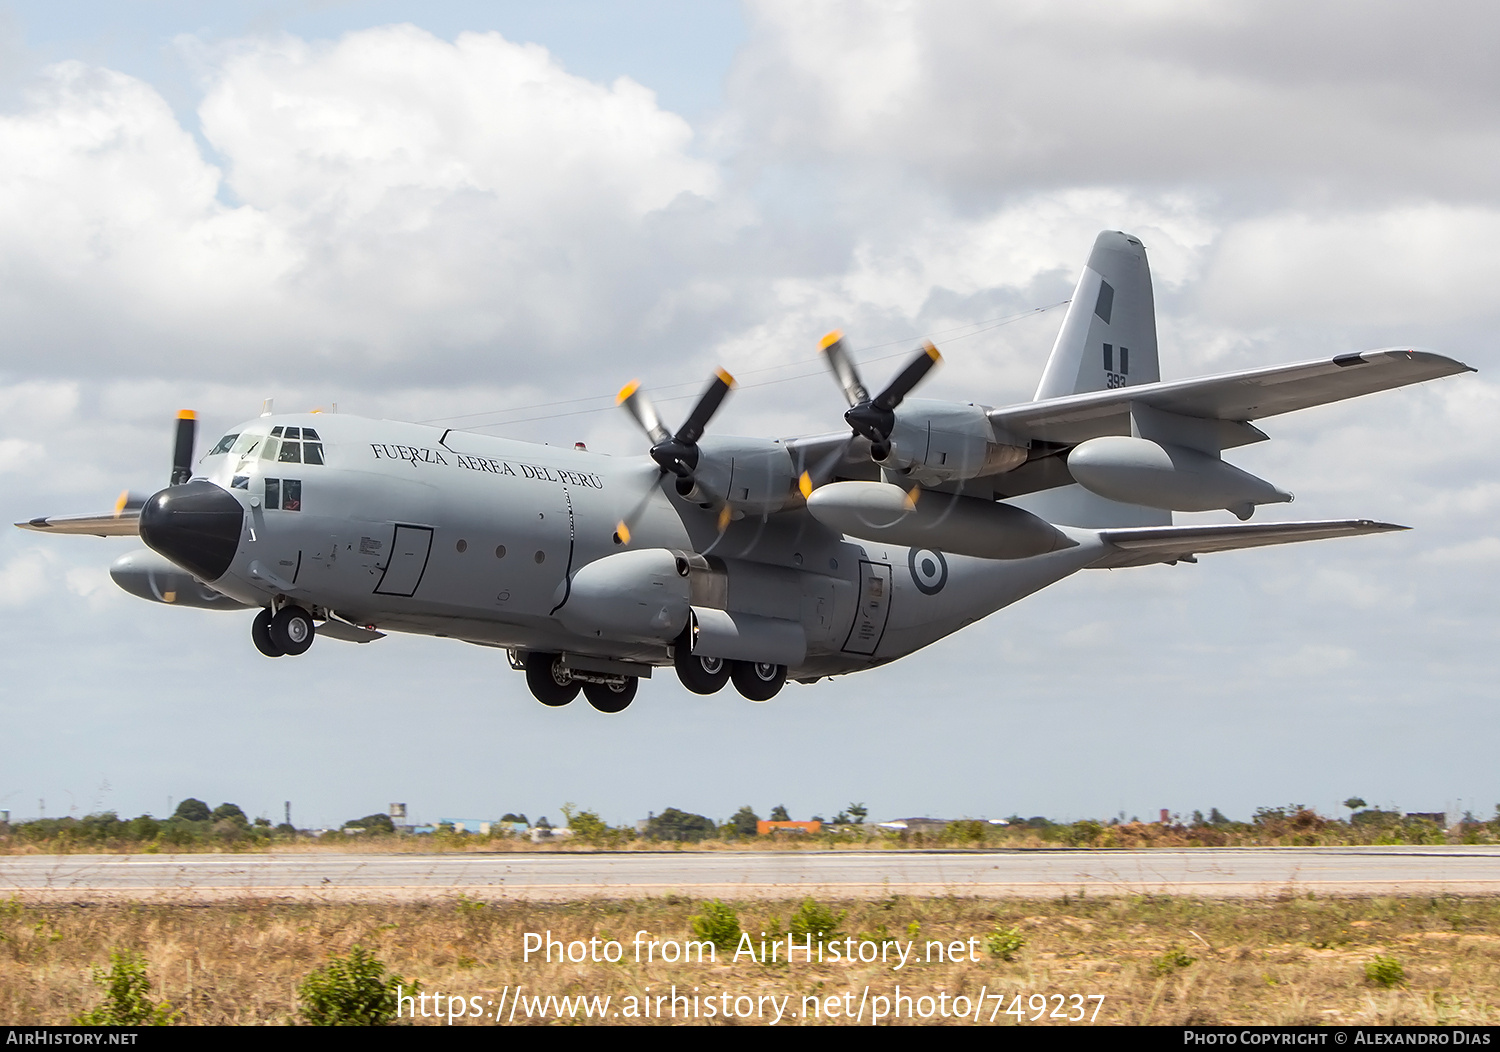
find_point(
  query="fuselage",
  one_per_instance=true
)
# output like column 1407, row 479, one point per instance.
column 410, row 528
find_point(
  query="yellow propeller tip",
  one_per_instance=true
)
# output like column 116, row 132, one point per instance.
column 124, row 498
column 625, row 392
column 805, row 485
column 723, row 374
column 186, row 414
column 932, row 352
column 623, row 532
column 832, row 338
column 725, row 514
column 911, row 498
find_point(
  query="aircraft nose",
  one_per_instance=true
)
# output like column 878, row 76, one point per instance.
column 197, row 525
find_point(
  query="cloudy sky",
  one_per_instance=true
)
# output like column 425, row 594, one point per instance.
column 473, row 212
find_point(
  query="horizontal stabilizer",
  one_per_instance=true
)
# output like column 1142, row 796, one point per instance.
column 1251, row 394
column 120, row 524
column 1165, row 544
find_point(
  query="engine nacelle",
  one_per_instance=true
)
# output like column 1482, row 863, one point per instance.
column 1167, row 476
column 153, row 577
column 960, row 525
column 755, row 476
column 935, row 442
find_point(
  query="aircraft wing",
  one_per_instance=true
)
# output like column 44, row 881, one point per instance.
column 1237, row 397
column 115, row 524
column 1140, row 546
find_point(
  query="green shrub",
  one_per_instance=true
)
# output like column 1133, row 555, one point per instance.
column 1385, row 971
column 351, row 991
column 127, row 1000
column 1004, row 943
column 1172, row 960
column 816, row 920
column 718, row 924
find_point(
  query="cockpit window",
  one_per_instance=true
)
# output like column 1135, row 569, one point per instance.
column 291, row 451
column 224, row 445
column 245, row 445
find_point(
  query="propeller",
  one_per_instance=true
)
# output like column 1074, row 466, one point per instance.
column 182, row 448
column 875, row 418
column 674, row 454
column 677, row 453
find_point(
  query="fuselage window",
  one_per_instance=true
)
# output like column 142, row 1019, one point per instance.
column 271, row 448
column 291, row 452
column 273, row 493
column 224, row 445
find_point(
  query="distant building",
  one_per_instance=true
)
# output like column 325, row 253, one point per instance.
column 764, row 827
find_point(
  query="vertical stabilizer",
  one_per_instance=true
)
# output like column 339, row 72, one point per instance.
column 1108, row 337
column 1108, row 340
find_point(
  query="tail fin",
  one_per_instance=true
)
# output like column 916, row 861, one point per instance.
column 1108, row 340
column 1108, row 337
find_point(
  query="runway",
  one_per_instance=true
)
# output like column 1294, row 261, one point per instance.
column 1211, row 872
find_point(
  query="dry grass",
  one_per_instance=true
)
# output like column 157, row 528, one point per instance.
column 1156, row 960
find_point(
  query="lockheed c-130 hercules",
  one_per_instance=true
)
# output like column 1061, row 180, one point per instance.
column 738, row 559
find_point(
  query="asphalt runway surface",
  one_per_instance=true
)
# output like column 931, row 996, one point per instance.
column 548, row 876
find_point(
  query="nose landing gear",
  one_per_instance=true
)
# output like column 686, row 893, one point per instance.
column 288, row 631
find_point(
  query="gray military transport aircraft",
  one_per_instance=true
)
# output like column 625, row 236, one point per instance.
column 743, row 559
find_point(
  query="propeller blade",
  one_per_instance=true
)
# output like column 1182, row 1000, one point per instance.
column 839, row 361
column 908, row 378
column 634, row 399
column 182, row 449
column 708, row 404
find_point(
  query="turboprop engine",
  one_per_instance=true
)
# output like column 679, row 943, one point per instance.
column 929, row 441
column 935, row 442
column 928, row 519
column 1166, row 475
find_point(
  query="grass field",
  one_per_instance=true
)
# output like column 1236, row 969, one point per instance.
column 1122, row 960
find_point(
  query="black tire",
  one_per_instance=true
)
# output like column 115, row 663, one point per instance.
column 758, row 681
column 260, row 632
column 700, row 675
column 292, row 630
column 607, row 698
column 549, row 684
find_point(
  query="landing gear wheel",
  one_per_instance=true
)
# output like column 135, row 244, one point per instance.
column 260, row 632
column 758, row 681
column 701, row 675
column 292, row 630
column 606, row 697
column 550, row 683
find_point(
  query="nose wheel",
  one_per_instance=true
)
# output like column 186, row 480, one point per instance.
column 289, row 631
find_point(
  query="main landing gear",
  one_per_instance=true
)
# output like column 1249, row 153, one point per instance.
column 757, row 681
column 552, row 683
column 288, row 631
